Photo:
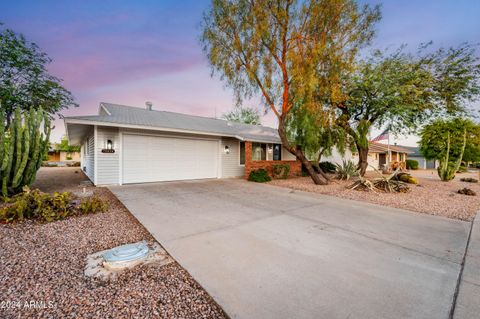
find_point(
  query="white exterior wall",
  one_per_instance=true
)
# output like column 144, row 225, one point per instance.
column 287, row 156
column 88, row 157
column 373, row 160
column 230, row 163
column 108, row 164
column 336, row 157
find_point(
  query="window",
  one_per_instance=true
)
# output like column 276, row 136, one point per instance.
column 259, row 152
column 277, row 152
column 242, row 153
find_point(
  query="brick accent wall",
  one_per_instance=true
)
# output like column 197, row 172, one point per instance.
column 250, row 165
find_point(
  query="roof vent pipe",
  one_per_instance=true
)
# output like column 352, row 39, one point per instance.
column 148, row 105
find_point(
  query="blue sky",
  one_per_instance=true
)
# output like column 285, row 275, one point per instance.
column 129, row 52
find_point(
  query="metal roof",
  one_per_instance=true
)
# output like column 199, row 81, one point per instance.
column 122, row 115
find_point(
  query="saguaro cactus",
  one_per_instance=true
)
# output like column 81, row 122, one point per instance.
column 22, row 146
column 447, row 169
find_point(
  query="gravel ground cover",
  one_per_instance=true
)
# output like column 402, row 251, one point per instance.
column 432, row 196
column 42, row 267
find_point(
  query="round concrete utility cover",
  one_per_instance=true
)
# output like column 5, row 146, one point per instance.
column 126, row 253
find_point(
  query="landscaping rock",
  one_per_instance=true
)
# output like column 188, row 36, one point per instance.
column 467, row 191
column 469, row 180
column 45, row 264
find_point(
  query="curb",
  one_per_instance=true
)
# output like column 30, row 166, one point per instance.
column 467, row 306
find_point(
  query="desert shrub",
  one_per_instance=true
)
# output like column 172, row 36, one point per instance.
column 469, row 180
column 33, row 204
column 411, row 164
column 328, row 167
column 92, row 205
column 467, row 191
column 259, row 176
column 407, row 178
column 280, row 171
column 346, row 170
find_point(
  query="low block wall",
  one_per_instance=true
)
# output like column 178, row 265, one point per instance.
column 250, row 165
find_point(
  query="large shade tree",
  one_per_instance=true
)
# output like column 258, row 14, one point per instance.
column 402, row 91
column 286, row 50
column 24, row 79
column 318, row 134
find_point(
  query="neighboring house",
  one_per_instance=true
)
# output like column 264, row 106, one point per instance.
column 124, row 144
column 62, row 156
column 384, row 153
column 379, row 155
column 423, row 163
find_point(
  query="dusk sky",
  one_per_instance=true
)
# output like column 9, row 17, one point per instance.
column 128, row 52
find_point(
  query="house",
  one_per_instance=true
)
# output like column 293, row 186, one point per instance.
column 62, row 156
column 124, row 144
column 423, row 163
column 380, row 155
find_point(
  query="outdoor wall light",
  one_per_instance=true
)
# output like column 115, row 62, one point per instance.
column 226, row 150
column 109, row 144
column 108, row 147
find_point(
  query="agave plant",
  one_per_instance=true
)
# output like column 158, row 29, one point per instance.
column 346, row 170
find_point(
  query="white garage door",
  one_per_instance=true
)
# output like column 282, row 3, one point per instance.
column 154, row 159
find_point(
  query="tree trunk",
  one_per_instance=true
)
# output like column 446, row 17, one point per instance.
column 362, row 159
column 320, row 170
column 300, row 156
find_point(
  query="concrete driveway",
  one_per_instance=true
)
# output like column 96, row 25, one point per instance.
column 267, row 252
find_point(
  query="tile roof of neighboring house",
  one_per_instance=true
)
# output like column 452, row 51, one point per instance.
column 374, row 147
column 134, row 116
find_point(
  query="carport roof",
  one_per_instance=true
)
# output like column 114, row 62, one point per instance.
column 142, row 118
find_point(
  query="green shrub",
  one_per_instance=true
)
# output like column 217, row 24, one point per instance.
column 328, row 167
column 411, row 164
column 93, row 205
column 259, row 176
column 346, row 170
column 33, row 204
column 69, row 158
column 280, row 171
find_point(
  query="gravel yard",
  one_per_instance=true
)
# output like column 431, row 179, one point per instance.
column 42, row 267
column 432, row 196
